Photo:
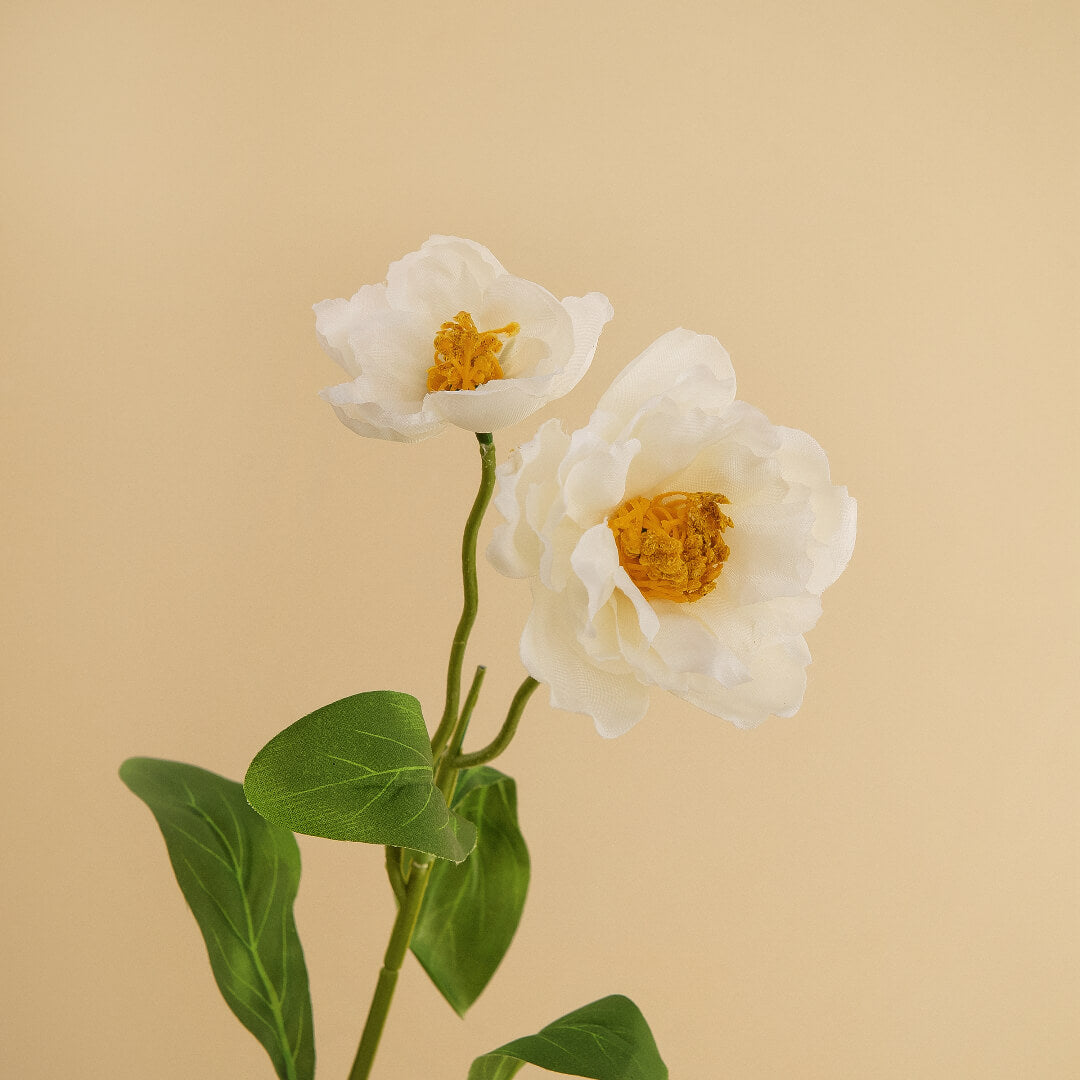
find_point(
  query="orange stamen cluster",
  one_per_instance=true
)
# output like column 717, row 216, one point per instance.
column 672, row 545
column 465, row 357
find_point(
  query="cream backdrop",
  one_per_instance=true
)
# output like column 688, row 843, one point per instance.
column 871, row 204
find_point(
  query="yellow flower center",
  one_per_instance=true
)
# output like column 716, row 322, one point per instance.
column 465, row 357
column 672, row 545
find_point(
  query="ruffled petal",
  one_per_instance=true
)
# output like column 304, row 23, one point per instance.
column 803, row 461
column 397, row 348
column 775, row 687
column 498, row 404
column 595, row 560
column 648, row 621
column 659, row 367
column 589, row 315
column 686, row 647
column 337, row 320
column 447, row 275
column 370, row 409
column 545, row 339
column 550, row 653
column 525, row 486
column 593, row 476
column 671, row 437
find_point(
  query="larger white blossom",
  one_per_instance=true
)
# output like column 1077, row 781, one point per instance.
column 451, row 338
column 679, row 540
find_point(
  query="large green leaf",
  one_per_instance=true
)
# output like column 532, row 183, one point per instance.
column 239, row 875
column 471, row 911
column 607, row 1040
column 359, row 769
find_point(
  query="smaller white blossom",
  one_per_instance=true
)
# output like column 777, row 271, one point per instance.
column 678, row 540
column 452, row 338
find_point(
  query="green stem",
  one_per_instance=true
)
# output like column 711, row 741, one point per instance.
column 409, row 911
column 506, row 732
column 466, row 713
column 468, row 611
column 404, row 924
column 451, row 731
column 393, row 872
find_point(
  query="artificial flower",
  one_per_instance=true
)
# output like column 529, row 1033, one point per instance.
column 678, row 540
column 451, row 338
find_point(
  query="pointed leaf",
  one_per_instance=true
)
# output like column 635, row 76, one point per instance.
column 471, row 911
column 239, row 874
column 607, row 1040
column 361, row 770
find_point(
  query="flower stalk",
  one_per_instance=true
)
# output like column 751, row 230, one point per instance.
column 468, row 577
column 506, row 732
column 398, row 946
column 411, row 885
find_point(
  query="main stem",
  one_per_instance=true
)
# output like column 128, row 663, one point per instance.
column 468, row 611
column 404, row 924
column 448, row 733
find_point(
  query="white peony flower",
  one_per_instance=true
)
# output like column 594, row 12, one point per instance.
column 678, row 540
column 451, row 337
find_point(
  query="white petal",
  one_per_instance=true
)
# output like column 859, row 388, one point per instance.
column 398, row 348
column 594, row 476
column 648, row 622
column 803, row 461
column 482, row 264
column 659, row 367
column 776, row 687
column 595, row 561
column 545, row 340
column 745, row 629
column 686, row 647
column 447, row 275
column 768, row 551
column 498, row 404
column 589, row 315
column 336, row 320
column 525, row 487
column 550, row 653
column 374, row 412
column 671, row 437
column 559, row 535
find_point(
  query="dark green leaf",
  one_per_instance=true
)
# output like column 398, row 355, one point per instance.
column 360, row 770
column 239, row 875
column 471, row 911
column 607, row 1040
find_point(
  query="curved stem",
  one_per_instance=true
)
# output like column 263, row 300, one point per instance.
column 468, row 612
column 466, row 715
column 450, row 732
column 506, row 732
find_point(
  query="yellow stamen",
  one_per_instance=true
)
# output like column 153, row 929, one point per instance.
column 465, row 357
column 672, row 545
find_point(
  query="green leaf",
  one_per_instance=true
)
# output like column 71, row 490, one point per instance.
column 359, row 769
column 239, row 874
column 471, row 911
column 607, row 1040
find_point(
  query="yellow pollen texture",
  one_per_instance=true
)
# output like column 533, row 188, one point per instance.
column 465, row 357
column 672, row 545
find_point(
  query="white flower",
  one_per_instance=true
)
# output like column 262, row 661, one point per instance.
column 451, row 337
column 679, row 540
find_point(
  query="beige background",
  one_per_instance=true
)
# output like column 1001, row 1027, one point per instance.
column 871, row 204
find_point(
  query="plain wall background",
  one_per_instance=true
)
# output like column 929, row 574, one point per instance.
column 873, row 207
